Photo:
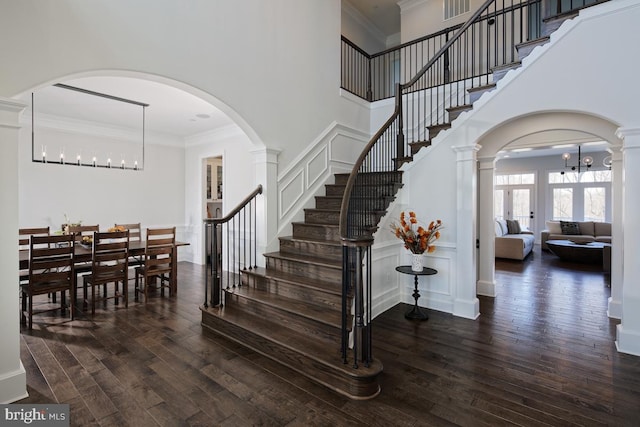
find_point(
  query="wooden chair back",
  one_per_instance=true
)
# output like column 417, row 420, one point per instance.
column 81, row 231
column 160, row 250
column 51, row 269
column 159, row 261
column 135, row 232
column 110, row 258
column 24, row 235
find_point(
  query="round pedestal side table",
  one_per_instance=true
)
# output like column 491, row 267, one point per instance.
column 415, row 313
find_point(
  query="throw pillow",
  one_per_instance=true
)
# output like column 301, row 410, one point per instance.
column 570, row 227
column 553, row 227
column 513, row 226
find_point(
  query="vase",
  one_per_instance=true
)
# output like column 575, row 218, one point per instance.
column 416, row 262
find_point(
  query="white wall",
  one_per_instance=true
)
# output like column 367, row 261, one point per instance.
column 13, row 379
column 259, row 59
column 153, row 196
column 422, row 17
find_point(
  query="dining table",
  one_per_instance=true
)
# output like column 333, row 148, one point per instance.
column 83, row 255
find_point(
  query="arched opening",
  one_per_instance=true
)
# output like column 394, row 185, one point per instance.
column 183, row 127
column 536, row 128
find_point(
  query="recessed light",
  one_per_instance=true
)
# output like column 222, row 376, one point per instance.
column 203, row 116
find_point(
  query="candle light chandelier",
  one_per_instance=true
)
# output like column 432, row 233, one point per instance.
column 98, row 152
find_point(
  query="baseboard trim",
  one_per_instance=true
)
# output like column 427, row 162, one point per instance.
column 485, row 288
column 13, row 385
column 627, row 341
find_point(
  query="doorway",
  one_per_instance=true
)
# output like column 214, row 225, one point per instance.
column 514, row 198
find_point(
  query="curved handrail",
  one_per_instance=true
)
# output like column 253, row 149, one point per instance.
column 237, row 209
column 344, row 207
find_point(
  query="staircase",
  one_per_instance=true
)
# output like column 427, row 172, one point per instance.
column 290, row 310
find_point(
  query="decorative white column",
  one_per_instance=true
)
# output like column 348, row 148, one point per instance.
column 628, row 339
column 466, row 303
column 13, row 379
column 265, row 162
column 614, row 307
column 486, row 257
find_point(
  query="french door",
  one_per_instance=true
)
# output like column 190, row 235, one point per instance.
column 515, row 202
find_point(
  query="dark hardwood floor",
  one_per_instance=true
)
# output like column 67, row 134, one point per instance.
column 541, row 353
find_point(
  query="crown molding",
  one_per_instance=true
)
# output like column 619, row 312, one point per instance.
column 407, row 5
column 357, row 16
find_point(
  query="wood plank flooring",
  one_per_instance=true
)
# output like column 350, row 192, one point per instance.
column 541, row 353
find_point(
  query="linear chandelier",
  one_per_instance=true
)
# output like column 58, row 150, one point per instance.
column 88, row 139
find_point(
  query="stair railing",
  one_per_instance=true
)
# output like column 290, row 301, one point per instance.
column 231, row 244
column 384, row 153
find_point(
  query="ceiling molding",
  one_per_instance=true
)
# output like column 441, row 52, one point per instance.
column 407, row 5
column 357, row 16
column 87, row 128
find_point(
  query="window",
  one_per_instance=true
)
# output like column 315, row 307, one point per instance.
column 580, row 197
column 594, row 204
column 563, row 204
column 453, row 8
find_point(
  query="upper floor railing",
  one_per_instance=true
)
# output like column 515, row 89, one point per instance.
column 373, row 76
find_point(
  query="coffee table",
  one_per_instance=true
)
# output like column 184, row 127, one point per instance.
column 588, row 253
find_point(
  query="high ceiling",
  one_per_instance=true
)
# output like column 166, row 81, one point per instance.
column 383, row 14
column 171, row 111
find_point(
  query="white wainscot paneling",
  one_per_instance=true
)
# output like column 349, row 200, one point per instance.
column 385, row 286
column 317, row 166
column 291, row 192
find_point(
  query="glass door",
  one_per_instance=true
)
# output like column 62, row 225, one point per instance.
column 514, row 199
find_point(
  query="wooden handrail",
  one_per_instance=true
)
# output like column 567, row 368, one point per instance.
column 237, row 209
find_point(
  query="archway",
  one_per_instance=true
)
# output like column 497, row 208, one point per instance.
column 229, row 133
column 503, row 135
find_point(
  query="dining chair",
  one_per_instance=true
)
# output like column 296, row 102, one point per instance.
column 24, row 237
column 135, row 232
column 81, row 231
column 109, row 264
column 51, row 270
column 135, row 235
column 158, row 268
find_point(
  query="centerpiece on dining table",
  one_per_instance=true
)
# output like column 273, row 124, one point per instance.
column 416, row 238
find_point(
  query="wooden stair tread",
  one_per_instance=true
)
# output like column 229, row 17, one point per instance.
column 315, row 283
column 320, row 313
column 314, row 349
column 305, row 258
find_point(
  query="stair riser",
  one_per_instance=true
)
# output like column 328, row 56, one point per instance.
column 371, row 190
column 328, row 203
column 355, row 387
column 387, row 177
column 309, row 231
column 293, row 321
column 304, row 269
column 322, row 217
column 320, row 250
column 333, row 301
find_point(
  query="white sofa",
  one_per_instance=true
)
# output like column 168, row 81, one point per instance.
column 512, row 246
column 590, row 231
